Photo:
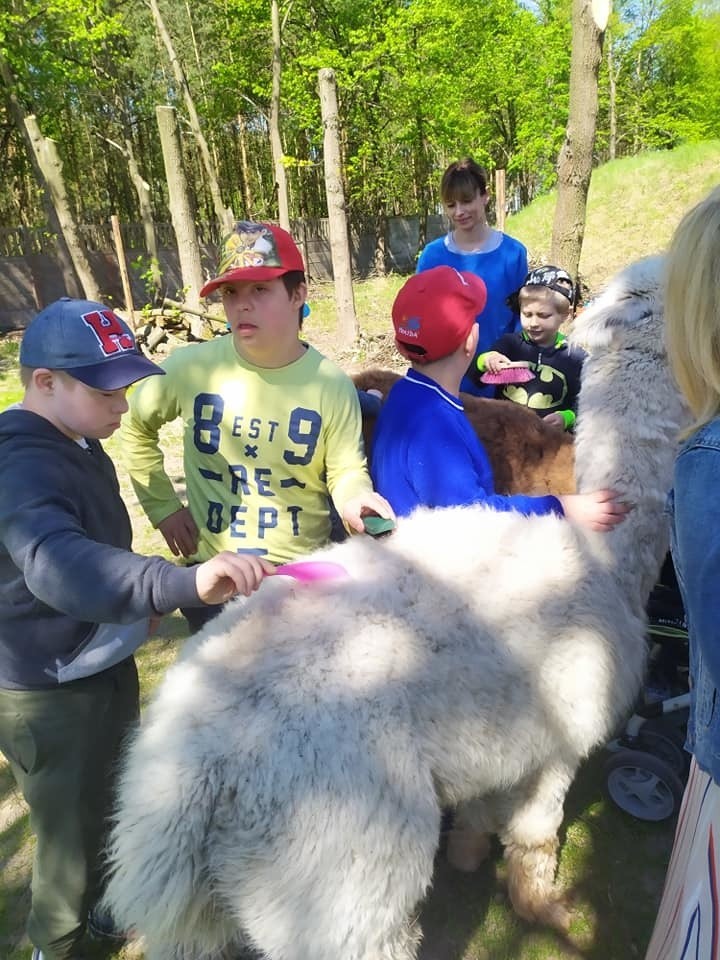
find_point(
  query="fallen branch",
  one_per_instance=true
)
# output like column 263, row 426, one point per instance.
column 176, row 305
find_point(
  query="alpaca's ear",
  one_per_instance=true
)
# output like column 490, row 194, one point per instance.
column 627, row 312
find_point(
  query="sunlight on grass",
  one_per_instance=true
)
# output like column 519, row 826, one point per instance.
column 634, row 204
column 10, row 388
column 373, row 302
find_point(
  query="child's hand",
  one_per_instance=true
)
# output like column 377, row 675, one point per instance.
column 601, row 510
column 362, row 506
column 228, row 574
column 180, row 532
column 495, row 361
column 554, row 420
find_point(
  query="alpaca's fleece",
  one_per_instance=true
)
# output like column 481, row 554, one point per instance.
column 526, row 454
column 285, row 788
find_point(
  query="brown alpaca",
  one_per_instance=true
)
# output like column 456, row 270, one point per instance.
column 526, row 455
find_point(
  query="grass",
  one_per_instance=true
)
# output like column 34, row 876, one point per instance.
column 611, row 866
column 634, row 204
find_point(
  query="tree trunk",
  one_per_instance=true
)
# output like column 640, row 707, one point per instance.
column 337, row 220
column 589, row 20
column 245, row 168
column 142, row 188
column 275, row 139
column 50, row 164
column 380, row 258
column 153, row 276
column 612, row 108
column 17, row 112
column 500, row 199
column 181, row 212
column 122, row 266
column 223, row 214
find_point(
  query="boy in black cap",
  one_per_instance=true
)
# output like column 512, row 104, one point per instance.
column 75, row 602
column 544, row 301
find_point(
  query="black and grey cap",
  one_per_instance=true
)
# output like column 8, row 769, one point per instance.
column 555, row 278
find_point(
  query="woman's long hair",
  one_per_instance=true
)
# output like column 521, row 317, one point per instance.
column 692, row 308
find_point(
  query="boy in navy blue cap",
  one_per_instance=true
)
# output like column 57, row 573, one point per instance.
column 75, row 602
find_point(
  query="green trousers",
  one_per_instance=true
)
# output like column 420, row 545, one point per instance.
column 63, row 746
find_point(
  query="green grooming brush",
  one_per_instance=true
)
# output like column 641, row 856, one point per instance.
column 378, row 526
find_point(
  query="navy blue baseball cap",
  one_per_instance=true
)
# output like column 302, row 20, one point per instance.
column 88, row 341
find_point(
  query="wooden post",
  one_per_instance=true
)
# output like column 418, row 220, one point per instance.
column 276, row 147
column 500, row 199
column 181, row 212
column 122, row 264
column 337, row 220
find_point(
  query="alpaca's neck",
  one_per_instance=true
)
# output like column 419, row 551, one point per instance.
column 628, row 420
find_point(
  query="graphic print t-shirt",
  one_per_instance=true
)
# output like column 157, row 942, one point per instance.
column 262, row 448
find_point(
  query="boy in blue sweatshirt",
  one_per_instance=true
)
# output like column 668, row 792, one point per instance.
column 75, row 602
column 425, row 452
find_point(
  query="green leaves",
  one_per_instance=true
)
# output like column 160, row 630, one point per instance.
column 420, row 83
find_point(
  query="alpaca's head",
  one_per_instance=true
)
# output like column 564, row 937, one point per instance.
column 628, row 313
column 630, row 411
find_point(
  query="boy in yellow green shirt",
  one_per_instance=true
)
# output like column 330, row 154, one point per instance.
column 272, row 429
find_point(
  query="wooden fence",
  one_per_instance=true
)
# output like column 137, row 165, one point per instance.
column 30, row 275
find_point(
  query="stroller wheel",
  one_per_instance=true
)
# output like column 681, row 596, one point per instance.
column 665, row 741
column 643, row 785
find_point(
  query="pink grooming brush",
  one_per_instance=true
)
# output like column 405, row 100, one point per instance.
column 309, row 571
column 515, row 372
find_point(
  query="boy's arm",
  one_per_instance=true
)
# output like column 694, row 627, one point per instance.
column 151, row 406
column 451, row 471
column 569, row 415
column 347, row 475
column 493, row 359
column 94, row 582
column 65, row 569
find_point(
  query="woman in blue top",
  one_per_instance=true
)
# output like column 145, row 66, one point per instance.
column 689, row 915
column 473, row 246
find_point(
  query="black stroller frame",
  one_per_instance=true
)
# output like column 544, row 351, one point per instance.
column 648, row 765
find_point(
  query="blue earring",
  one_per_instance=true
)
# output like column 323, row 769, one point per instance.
column 306, row 311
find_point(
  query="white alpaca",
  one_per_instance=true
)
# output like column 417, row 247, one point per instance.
column 285, row 789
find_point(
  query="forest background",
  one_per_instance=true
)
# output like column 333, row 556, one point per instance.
column 420, row 83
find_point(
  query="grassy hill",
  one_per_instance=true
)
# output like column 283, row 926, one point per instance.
column 634, row 204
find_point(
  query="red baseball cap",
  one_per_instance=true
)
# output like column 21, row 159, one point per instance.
column 434, row 312
column 255, row 251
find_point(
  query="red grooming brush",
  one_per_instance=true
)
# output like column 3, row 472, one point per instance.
column 515, row 372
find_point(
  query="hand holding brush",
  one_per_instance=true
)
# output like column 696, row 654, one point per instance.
column 499, row 370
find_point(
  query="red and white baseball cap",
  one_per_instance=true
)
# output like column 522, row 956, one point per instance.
column 434, row 312
column 255, row 251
